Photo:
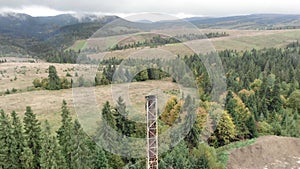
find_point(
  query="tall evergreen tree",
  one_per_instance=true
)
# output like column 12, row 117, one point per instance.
column 204, row 157
column 17, row 132
column 54, row 81
column 27, row 159
column 8, row 152
column 32, row 135
column 51, row 157
column 251, row 125
column 230, row 104
column 178, row 157
column 98, row 158
column 225, row 131
column 120, row 115
column 276, row 101
column 80, row 153
column 107, row 123
column 64, row 134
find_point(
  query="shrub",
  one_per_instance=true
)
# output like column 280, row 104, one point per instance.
column 68, row 74
column 37, row 83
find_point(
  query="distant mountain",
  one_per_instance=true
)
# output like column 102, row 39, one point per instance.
column 255, row 21
column 144, row 21
column 22, row 25
column 27, row 35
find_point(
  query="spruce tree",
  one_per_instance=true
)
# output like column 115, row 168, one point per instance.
column 107, row 123
column 51, row 156
column 27, row 159
column 276, row 101
column 98, row 156
column 251, row 125
column 80, row 153
column 225, row 131
column 240, row 114
column 230, row 104
column 17, row 132
column 64, row 134
column 8, row 156
column 32, row 135
column 122, row 123
column 54, row 81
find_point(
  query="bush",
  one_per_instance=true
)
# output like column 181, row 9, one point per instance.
column 264, row 128
column 64, row 83
column 7, row 91
column 37, row 83
column 14, row 90
column 44, row 83
column 68, row 74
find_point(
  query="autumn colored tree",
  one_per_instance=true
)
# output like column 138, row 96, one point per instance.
column 225, row 131
column 171, row 111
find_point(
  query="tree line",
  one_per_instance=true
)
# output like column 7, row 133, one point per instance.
column 27, row 144
column 161, row 40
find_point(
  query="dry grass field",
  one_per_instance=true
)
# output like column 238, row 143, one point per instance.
column 19, row 74
column 46, row 104
column 237, row 40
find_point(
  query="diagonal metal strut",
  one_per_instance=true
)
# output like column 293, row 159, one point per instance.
column 152, row 135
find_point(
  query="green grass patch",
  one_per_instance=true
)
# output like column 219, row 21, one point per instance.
column 223, row 152
column 280, row 39
column 78, row 45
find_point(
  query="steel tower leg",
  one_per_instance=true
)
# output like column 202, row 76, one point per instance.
column 152, row 135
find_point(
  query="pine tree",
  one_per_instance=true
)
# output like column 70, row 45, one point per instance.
column 8, row 152
column 80, row 153
column 27, row 159
column 230, row 104
column 276, row 101
column 99, row 159
column 17, row 132
column 107, row 115
column 51, row 157
column 32, row 135
column 178, row 157
column 64, row 134
column 294, row 100
column 54, row 81
column 252, row 127
column 104, row 136
column 204, row 157
column 225, row 131
column 239, row 113
column 171, row 111
column 121, row 116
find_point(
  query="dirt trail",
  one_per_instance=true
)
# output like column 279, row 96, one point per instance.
column 268, row 152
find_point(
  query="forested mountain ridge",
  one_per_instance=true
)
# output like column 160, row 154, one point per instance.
column 26, row 35
column 23, row 34
column 23, row 25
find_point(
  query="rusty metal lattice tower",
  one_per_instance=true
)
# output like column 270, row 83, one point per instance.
column 152, row 132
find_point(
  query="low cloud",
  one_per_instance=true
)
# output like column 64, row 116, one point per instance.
column 187, row 7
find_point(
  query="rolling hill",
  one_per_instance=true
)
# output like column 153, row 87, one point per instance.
column 254, row 21
column 24, row 35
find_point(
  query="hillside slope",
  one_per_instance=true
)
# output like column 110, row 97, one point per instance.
column 254, row 21
column 268, row 152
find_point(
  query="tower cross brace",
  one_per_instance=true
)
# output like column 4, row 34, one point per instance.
column 152, row 135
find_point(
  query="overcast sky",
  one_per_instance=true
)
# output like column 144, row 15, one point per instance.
column 179, row 8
